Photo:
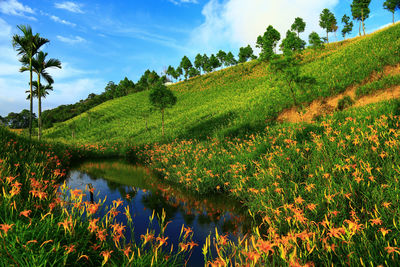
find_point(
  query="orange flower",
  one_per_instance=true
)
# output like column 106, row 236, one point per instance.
column 127, row 251
column 70, row 248
column 25, row 213
column 384, row 231
column 76, row 192
column 299, row 200
column 265, row 246
column 101, row 235
column 106, row 255
column 93, row 225
column 162, row 240
column 391, row 250
column 6, row 227
column 117, row 202
column 92, row 209
column 376, row 221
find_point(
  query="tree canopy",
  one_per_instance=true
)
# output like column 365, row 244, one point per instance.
column 328, row 22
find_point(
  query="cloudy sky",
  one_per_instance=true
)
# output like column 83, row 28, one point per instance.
column 100, row 41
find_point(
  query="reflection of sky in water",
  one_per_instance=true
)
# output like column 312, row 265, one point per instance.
column 143, row 202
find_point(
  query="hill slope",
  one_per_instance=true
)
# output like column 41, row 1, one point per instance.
column 237, row 100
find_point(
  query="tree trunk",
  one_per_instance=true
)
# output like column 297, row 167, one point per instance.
column 39, row 110
column 162, row 116
column 359, row 29
column 327, row 36
column 362, row 19
column 393, row 17
column 30, row 98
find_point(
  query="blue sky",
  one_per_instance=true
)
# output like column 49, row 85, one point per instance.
column 101, row 41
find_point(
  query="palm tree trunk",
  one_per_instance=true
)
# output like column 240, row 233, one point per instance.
column 30, row 98
column 40, row 110
column 359, row 29
column 393, row 17
column 327, row 36
column 362, row 18
column 162, row 115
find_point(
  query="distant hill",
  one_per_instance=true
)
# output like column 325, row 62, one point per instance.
column 243, row 99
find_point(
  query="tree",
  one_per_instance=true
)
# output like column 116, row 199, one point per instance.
column 161, row 98
column 327, row 21
column 315, row 40
column 206, row 64
column 230, row 59
column 2, row 121
column 193, row 72
column 28, row 45
column 348, row 25
column 298, row 26
column 44, row 90
column 178, row 72
column 198, row 62
column 391, row 6
column 360, row 11
column 292, row 43
column 245, row 53
column 214, row 62
column 124, row 88
column 39, row 64
column 289, row 67
column 171, row 71
column 186, row 65
column 268, row 43
column 222, row 57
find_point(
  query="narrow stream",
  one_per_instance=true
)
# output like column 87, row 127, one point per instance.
column 145, row 193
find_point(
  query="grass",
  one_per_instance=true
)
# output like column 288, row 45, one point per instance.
column 235, row 101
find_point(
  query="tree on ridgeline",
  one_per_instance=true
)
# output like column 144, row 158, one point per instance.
column 298, row 26
column 178, row 72
column 245, row 53
column 221, row 55
column 292, row 43
column 327, row 21
column 360, row 11
column 171, row 72
column 348, row 25
column 267, row 43
column 186, row 64
column 206, row 64
column 19, row 120
column 230, row 59
column 193, row 72
column 391, row 6
column 214, row 62
column 315, row 40
column 124, row 88
column 198, row 62
column 40, row 65
column 28, row 45
column 161, row 98
column 2, row 121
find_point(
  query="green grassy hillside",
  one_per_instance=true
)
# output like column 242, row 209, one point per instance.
column 236, row 100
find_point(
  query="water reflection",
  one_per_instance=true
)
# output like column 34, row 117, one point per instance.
column 144, row 193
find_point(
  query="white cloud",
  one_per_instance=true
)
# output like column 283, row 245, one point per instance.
column 70, row 6
column 178, row 2
column 62, row 21
column 13, row 7
column 71, row 41
column 239, row 22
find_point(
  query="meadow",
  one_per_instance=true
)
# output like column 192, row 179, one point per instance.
column 321, row 193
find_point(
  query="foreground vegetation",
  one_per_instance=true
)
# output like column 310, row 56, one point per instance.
column 40, row 227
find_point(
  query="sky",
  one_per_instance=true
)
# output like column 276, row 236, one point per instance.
column 101, row 41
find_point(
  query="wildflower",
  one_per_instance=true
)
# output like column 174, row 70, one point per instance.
column 299, row 200
column 70, row 248
column 127, row 251
column 92, row 209
column 101, row 234
column 265, row 246
column 25, row 213
column 162, row 240
column 106, row 255
column 376, row 221
column 117, row 202
column 148, row 237
column 391, row 250
column 311, row 206
column 384, row 231
column 6, row 227
column 93, row 225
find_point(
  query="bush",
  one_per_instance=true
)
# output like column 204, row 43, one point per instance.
column 345, row 102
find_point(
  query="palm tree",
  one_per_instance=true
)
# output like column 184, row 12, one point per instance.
column 44, row 90
column 39, row 65
column 28, row 45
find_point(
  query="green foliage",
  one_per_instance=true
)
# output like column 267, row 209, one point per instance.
column 292, row 43
column 230, row 59
column 268, row 43
column 186, row 65
column 391, row 6
column 198, row 62
column 383, row 83
column 298, row 26
column 360, row 11
column 328, row 22
column 315, row 40
column 348, row 25
column 345, row 102
column 221, row 55
column 245, row 53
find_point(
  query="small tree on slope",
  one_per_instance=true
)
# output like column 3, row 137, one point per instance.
column 161, row 98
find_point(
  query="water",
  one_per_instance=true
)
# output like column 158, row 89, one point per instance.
column 144, row 193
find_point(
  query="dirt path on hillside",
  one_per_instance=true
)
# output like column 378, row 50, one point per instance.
column 328, row 105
